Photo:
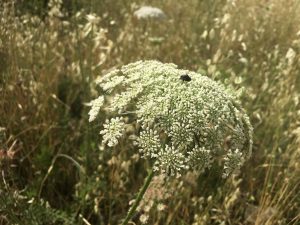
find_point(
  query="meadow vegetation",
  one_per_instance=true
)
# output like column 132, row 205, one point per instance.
column 53, row 167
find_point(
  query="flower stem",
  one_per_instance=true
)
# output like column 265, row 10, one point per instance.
column 139, row 198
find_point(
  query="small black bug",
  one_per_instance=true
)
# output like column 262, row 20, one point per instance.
column 185, row 77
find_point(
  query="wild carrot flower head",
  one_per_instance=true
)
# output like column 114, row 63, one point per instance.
column 184, row 121
column 148, row 12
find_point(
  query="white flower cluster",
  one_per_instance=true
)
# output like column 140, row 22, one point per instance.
column 200, row 158
column 233, row 161
column 96, row 105
column 148, row 12
column 113, row 130
column 170, row 161
column 183, row 120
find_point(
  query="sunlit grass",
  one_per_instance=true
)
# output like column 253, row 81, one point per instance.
column 49, row 155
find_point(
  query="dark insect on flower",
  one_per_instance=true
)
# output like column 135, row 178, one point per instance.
column 185, row 77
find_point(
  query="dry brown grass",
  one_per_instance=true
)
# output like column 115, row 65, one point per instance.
column 47, row 65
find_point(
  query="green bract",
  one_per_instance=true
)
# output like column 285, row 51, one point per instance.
column 184, row 121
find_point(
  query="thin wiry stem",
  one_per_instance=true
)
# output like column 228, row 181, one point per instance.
column 139, row 197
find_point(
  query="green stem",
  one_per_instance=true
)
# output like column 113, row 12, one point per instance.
column 139, row 198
